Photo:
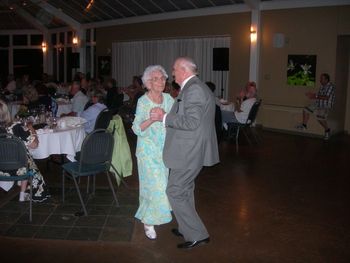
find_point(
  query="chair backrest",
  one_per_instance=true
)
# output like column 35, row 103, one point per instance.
column 13, row 153
column 103, row 119
column 253, row 112
column 97, row 148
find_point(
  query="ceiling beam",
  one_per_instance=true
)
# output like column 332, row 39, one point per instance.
column 238, row 8
column 58, row 13
column 253, row 4
column 29, row 18
column 287, row 4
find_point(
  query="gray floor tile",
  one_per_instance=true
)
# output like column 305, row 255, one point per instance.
column 61, row 220
column 22, row 231
column 9, row 217
column 91, row 221
column 37, row 219
column 126, row 210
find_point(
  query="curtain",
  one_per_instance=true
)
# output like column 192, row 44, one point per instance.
column 131, row 58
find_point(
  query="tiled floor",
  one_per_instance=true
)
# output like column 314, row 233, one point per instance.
column 55, row 220
column 285, row 200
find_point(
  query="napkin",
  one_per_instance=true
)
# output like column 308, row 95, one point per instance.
column 71, row 121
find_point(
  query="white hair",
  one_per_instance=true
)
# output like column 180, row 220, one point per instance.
column 150, row 69
column 188, row 64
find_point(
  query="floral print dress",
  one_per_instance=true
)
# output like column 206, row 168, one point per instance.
column 40, row 192
column 154, row 208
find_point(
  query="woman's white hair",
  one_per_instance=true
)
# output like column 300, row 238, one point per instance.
column 150, row 69
column 5, row 117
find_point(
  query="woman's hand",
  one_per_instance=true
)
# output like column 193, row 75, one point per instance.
column 35, row 142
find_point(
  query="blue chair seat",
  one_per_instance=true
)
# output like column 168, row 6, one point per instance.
column 86, row 169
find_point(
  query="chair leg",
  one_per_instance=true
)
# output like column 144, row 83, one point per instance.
column 79, row 194
column 63, row 186
column 94, row 184
column 255, row 135
column 31, row 198
column 112, row 188
column 87, row 184
column 247, row 137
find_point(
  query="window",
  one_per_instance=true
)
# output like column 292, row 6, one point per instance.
column 20, row 40
column 4, row 40
column 36, row 40
column 53, row 39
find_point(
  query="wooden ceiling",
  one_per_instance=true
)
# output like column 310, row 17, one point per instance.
column 51, row 14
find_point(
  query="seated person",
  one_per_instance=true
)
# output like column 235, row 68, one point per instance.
column 218, row 117
column 78, row 101
column 28, row 135
column 91, row 113
column 242, row 107
column 242, row 95
column 114, row 97
column 31, row 100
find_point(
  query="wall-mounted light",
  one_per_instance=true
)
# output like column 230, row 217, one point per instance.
column 75, row 40
column 44, row 46
column 253, row 34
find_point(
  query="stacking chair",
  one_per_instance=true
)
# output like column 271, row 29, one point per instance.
column 13, row 155
column 234, row 128
column 95, row 158
column 103, row 119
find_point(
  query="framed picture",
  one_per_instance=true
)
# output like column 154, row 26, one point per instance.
column 301, row 70
column 104, row 65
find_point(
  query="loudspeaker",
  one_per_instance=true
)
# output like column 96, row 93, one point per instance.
column 74, row 60
column 221, row 59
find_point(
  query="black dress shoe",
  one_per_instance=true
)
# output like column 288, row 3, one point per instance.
column 191, row 244
column 176, row 232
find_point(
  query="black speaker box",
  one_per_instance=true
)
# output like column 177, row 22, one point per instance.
column 221, row 59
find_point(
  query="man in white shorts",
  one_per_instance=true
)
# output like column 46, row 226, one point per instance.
column 323, row 102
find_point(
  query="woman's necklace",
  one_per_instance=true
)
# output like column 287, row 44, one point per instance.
column 158, row 99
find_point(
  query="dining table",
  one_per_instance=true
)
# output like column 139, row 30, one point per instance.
column 63, row 139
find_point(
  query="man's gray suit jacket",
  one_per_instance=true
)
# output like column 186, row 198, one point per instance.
column 190, row 128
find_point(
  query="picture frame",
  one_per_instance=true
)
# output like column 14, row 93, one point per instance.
column 301, row 70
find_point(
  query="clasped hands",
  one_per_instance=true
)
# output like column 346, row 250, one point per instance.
column 157, row 114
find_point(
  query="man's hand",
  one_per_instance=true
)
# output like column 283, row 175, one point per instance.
column 157, row 114
column 311, row 95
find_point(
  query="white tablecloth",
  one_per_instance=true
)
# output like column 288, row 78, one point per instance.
column 59, row 141
column 228, row 107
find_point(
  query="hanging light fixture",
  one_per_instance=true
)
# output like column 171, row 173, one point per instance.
column 89, row 5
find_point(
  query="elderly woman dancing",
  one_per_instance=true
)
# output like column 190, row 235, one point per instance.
column 154, row 208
